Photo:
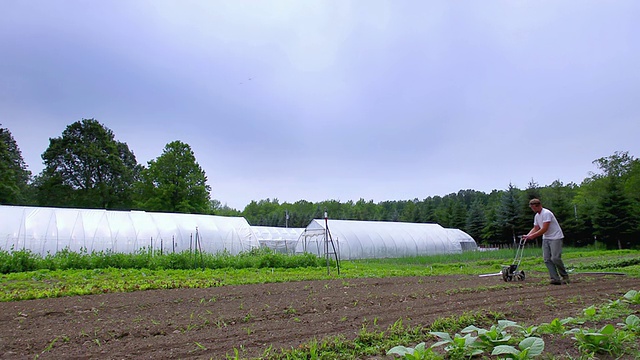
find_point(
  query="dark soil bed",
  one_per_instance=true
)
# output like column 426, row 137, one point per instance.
column 210, row 323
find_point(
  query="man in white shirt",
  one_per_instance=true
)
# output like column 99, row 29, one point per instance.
column 545, row 224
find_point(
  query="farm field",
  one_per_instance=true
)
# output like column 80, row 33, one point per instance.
column 209, row 323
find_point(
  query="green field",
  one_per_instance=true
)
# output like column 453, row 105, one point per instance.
column 29, row 276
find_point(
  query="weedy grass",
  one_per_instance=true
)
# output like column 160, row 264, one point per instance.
column 25, row 260
column 54, row 276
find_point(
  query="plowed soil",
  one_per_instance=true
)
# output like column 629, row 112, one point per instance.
column 210, row 323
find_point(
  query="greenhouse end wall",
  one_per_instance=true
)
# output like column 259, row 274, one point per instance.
column 279, row 239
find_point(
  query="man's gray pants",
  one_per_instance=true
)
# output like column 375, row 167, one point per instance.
column 552, row 256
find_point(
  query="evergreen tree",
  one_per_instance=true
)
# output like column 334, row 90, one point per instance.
column 492, row 231
column 614, row 219
column 618, row 172
column 427, row 211
column 302, row 212
column 442, row 211
column 14, row 176
column 509, row 213
column 410, row 212
column 533, row 191
column 632, row 182
column 458, row 211
column 476, row 220
column 558, row 198
column 390, row 211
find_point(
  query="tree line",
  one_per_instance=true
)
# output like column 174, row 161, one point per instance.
column 86, row 167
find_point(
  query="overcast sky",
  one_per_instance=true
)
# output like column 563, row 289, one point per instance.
column 319, row 100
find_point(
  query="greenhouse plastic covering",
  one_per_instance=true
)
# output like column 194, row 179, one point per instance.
column 48, row 230
column 45, row 230
column 282, row 240
column 379, row 239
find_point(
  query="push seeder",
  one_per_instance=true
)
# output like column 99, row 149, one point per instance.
column 512, row 272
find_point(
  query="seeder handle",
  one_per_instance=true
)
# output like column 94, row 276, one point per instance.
column 521, row 240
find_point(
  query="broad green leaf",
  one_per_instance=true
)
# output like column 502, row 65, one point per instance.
column 632, row 320
column 506, row 323
column 440, row 343
column 420, row 347
column 590, row 311
column 607, row 329
column 399, row 350
column 633, row 296
column 470, row 328
column 534, row 344
column 441, row 335
column 505, row 349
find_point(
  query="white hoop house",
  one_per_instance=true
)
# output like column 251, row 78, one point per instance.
column 45, row 230
column 48, row 230
column 379, row 239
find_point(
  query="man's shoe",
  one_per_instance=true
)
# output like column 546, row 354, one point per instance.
column 566, row 279
column 556, row 282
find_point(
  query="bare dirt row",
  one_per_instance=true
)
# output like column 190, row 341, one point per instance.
column 210, row 323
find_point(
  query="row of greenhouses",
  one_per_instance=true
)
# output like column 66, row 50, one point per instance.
column 45, row 230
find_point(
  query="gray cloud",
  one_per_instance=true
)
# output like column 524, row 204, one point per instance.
column 316, row 100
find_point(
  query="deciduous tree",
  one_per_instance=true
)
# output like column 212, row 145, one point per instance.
column 174, row 182
column 86, row 167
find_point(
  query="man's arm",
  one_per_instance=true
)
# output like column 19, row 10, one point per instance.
column 537, row 231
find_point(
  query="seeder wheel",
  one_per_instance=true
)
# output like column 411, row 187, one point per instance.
column 505, row 274
column 521, row 276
